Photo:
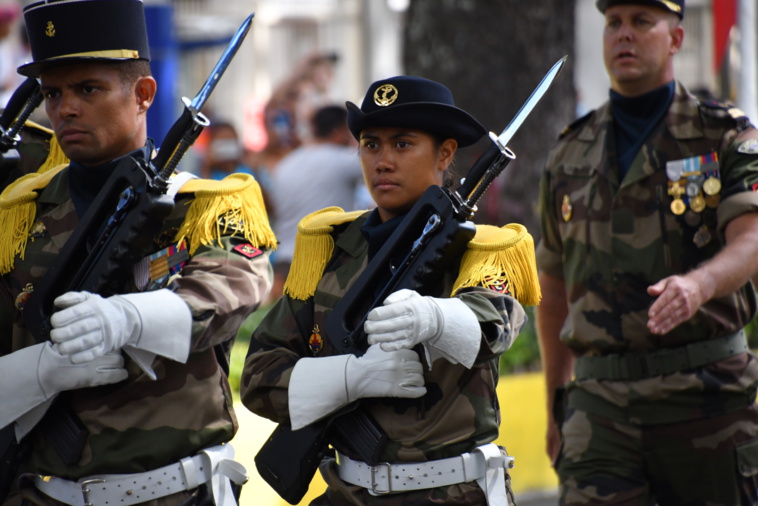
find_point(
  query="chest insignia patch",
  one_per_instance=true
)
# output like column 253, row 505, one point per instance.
column 749, row 147
column 315, row 342
column 247, row 250
column 566, row 208
column 497, row 283
column 22, row 297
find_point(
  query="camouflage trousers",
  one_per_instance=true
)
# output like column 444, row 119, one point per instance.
column 711, row 461
column 340, row 493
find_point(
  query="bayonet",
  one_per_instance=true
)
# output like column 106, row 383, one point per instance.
column 495, row 159
column 187, row 128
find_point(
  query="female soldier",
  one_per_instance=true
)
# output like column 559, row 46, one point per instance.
column 428, row 377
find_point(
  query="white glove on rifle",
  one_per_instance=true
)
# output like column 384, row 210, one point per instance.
column 321, row 385
column 142, row 324
column 37, row 373
column 446, row 327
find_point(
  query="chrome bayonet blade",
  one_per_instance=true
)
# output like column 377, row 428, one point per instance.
column 535, row 97
column 197, row 103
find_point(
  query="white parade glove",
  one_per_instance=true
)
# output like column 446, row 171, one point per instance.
column 35, row 374
column 152, row 323
column 321, row 385
column 446, row 327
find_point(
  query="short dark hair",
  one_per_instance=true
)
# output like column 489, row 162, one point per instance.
column 130, row 70
column 327, row 119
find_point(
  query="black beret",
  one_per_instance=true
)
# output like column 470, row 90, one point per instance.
column 675, row 6
column 69, row 31
column 417, row 103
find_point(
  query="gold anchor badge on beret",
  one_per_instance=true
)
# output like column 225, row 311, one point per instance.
column 566, row 208
column 50, row 29
column 385, row 95
column 315, row 342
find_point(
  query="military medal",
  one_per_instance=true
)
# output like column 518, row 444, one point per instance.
column 697, row 204
column 712, row 201
column 678, row 207
column 692, row 218
column 702, row 236
column 674, row 170
column 22, row 297
column 692, row 189
column 712, row 186
column 675, row 190
column 315, row 342
column 566, row 208
column 37, row 230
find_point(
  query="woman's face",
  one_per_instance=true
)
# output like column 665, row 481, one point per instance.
column 399, row 164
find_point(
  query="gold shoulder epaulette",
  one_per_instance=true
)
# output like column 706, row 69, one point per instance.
column 501, row 255
column 17, row 203
column 234, row 204
column 313, row 249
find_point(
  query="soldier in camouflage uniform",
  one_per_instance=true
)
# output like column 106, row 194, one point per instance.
column 649, row 240
column 139, row 373
column 429, row 375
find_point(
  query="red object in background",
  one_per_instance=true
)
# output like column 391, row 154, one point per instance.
column 724, row 17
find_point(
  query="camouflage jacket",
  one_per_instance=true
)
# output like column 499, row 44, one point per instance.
column 609, row 240
column 460, row 409
column 141, row 424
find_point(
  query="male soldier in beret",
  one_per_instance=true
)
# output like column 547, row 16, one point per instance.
column 649, row 238
column 126, row 401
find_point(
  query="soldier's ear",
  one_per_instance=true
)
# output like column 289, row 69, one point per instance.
column 144, row 91
column 446, row 152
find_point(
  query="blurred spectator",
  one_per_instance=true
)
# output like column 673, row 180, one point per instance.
column 225, row 154
column 314, row 91
column 288, row 112
column 321, row 174
column 12, row 51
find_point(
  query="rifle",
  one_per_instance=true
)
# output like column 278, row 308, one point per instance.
column 24, row 100
column 428, row 243
column 116, row 231
column 100, row 254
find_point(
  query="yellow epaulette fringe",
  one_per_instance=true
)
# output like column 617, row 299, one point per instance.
column 17, row 203
column 313, row 249
column 494, row 252
column 235, row 202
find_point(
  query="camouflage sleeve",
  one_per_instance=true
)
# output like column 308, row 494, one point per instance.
column 275, row 346
column 549, row 249
column 500, row 318
column 739, row 166
column 222, row 288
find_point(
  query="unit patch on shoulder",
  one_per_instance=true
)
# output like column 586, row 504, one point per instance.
column 749, row 147
column 497, row 283
column 247, row 250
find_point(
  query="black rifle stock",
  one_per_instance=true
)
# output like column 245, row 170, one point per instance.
column 422, row 254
